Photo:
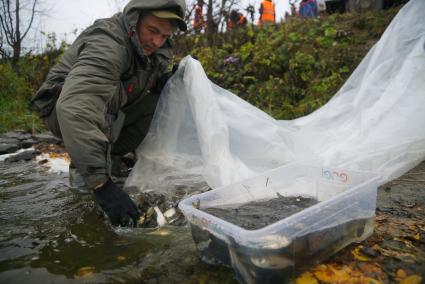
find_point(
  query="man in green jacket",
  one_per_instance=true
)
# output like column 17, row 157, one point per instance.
column 101, row 96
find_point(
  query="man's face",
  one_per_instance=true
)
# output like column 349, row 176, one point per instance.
column 153, row 32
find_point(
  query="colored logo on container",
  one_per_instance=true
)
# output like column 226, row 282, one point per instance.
column 335, row 175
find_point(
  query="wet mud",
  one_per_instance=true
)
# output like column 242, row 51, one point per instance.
column 258, row 214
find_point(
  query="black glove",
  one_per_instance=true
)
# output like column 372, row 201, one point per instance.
column 116, row 203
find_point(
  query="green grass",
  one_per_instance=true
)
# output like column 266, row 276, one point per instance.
column 15, row 94
column 15, row 115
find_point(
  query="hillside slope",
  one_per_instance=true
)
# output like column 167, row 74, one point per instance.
column 291, row 69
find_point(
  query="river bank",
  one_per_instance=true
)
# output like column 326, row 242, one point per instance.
column 53, row 233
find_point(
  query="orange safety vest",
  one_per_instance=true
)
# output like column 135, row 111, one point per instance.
column 267, row 15
column 240, row 23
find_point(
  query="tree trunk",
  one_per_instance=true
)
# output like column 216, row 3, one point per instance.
column 210, row 22
column 18, row 41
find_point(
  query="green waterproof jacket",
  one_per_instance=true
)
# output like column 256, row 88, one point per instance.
column 102, row 76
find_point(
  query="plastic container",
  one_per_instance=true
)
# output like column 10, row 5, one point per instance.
column 276, row 253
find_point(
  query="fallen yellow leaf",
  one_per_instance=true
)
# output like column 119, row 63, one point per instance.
column 370, row 269
column 401, row 274
column 369, row 280
column 412, row 279
column 306, row 278
column 327, row 273
column 341, row 275
column 358, row 255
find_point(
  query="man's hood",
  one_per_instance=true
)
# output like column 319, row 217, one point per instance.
column 134, row 7
column 131, row 15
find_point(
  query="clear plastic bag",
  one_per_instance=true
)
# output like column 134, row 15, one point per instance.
column 376, row 122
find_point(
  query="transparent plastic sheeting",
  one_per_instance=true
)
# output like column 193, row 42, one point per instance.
column 375, row 122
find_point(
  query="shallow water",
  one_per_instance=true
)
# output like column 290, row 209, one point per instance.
column 52, row 233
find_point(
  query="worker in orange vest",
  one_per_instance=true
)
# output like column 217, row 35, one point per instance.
column 198, row 20
column 236, row 20
column 267, row 13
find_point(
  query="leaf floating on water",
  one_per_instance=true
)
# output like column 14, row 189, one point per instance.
column 161, row 231
column 121, row 258
column 412, row 279
column 306, row 278
column 86, row 271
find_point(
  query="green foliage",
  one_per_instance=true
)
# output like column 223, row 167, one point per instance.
column 289, row 70
column 11, row 85
column 14, row 94
column 16, row 89
column 14, row 114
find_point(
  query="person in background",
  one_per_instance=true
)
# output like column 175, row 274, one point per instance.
column 101, row 96
column 198, row 19
column 236, row 20
column 267, row 13
column 308, row 9
column 250, row 10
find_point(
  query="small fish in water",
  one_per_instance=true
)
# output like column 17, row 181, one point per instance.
column 160, row 219
column 146, row 217
column 141, row 220
column 271, row 261
column 247, row 274
column 149, row 213
column 171, row 215
column 160, row 232
column 274, row 242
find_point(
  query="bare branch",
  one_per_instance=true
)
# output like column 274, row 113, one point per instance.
column 10, row 26
column 3, row 51
column 4, row 17
column 16, row 20
column 32, row 19
column 6, row 31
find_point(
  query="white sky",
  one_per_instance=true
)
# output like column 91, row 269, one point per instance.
column 64, row 16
